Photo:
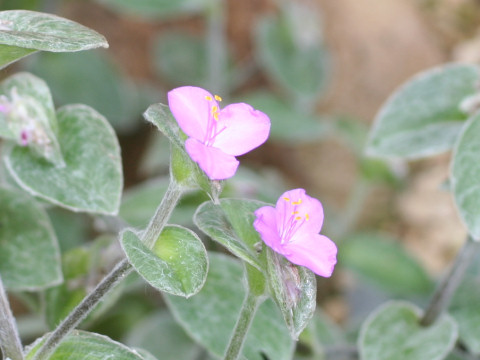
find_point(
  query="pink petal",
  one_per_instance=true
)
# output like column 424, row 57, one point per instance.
column 191, row 106
column 216, row 164
column 308, row 208
column 316, row 252
column 245, row 129
column 266, row 225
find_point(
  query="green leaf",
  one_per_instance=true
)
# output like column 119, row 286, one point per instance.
column 291, row 50
column 31, row 107
column 231, row 224
column 383, row 262
column 81, row 345
column 39, row 31
column 163, row 337
column 10, row 54
column 464, row 176
column 288, row 126
column 91, row 180
column 25, row 230
column 155, row 9
column 210, row 316
column 393, row 333
column 423, row 117
column 181, row 58
column 160, row 116
column 177, row 264
column 47, row 32
column 184, row 170
column 99, row 83
column 465, row 310
column 294, row 289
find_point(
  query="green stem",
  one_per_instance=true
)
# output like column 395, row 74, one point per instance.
column 10, row 343
column 169, row 202
column 443, row 294
column 121, row 270
column 249, row 308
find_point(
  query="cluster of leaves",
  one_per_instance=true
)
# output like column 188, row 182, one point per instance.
column 84, row 174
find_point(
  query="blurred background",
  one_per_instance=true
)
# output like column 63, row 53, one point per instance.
column 321, row 70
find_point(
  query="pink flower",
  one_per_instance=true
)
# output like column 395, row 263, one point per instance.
column 292, row 229
column 217, row 135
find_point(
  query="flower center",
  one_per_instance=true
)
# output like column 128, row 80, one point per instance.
column 212, row 125
column 293, row 219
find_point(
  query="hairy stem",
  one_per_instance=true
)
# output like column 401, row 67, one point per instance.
column 447, row 287
column 162, row 214
column 121, row 270
column 249, row 308
column 10, row 343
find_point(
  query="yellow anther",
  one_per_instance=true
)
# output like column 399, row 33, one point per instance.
column 298, row 218
column 286, row 199
column 297, row 202
column 218, row 98
column 214, row 109
column 294, row 212
column 307, row 217
column 209, row 98
column 215, row 115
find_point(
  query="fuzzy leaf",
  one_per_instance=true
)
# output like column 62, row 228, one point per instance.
column 423, row 116
column 25, row 230
column 184, row 170
column 294, row 289
column 81, row 345
column 465, row 175
column 393, row 333
column 210, row 316
column 177, row 264
column 230, row 224
column 32, row 106
column 32, row 31
column 92, row 178
column 10, row 54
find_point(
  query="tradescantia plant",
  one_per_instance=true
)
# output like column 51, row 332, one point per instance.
column 257, row 300
column 70, row 158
